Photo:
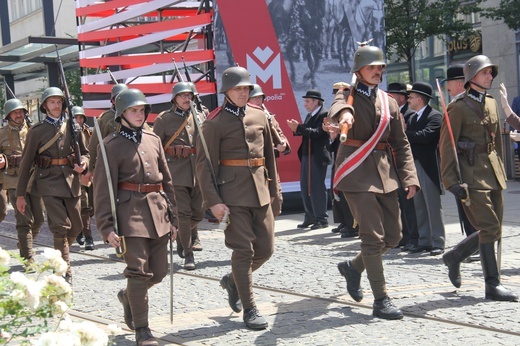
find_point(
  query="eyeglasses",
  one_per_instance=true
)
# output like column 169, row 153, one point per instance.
column 184, row 96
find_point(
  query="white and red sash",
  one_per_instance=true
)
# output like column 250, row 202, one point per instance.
column 357, row 157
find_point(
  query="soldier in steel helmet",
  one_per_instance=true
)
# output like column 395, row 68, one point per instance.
column 49, row 146
column 178, row 133
column 364, row 173
column 87, row 210
column 107, row 125
column 242, row 187
column 475, row 125
column 280, row 145
column 12, row 142
column 141, row 182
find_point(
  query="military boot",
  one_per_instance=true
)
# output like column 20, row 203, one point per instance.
column 80, row 239
column 459, row 253
column 144, row 337
column 254, row 320
column 123, row 298
column 233, row 299
column 383, row 306
column 494, row 289
column 353, row 278
column 189, row 261
column 60, row 243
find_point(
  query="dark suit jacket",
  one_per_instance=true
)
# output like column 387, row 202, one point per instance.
column 423, row 136
column 313, row 133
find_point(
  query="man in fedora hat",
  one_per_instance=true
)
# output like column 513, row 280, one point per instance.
column 423, row 131
column 400, row 94
column 314, row 156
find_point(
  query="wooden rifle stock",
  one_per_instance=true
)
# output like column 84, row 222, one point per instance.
column 344, row 126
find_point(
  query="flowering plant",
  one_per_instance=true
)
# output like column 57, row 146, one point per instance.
column 32, row 304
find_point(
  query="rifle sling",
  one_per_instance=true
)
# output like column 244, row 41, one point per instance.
column 178, row 132
column 54, row 139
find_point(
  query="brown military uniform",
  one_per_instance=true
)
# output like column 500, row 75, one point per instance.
column 107, row 125
column 483, row 170
column 146, row 232
column 54, row 180
column 180, row 155
column 241, row 134
column 87, row 205
column 12, row 140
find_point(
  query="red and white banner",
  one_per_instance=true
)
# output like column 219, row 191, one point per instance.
column 253, row 41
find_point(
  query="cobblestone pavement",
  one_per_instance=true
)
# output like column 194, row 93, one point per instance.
column 302, row 295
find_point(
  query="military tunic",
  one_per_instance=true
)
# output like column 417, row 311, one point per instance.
column 241, row 134
column 371, row 189
column 180, row 156
column 12, row 140
column 483, row 170
column 107, row 125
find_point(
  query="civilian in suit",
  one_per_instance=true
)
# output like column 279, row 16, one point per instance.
column 314, row 156
column 423, row 131
column 399, row 91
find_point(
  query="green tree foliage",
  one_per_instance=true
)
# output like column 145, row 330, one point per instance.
column 410, row 22
column 73, row 78
column 508, row 11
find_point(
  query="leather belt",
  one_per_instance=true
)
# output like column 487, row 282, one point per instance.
column 357, row 143
column 60, row 162
column 485, row 149
column 254, row 162
column 142, row 188
column 180, row 150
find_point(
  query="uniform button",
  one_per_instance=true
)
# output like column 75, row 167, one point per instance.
column 142, row 152
column 251, row 152
column 245, row 126
column 146, row 163
column 148, row 174
column 118, row 200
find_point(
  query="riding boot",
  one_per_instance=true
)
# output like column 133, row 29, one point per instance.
column 459, row 253
column 25, row 241
column 383, row 306
column 87, row 232
column 494, row 289
column 195, row 240
column 137, row 295
column 61, row 243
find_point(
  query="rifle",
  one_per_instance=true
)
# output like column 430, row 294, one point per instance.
column 72, row 120
column 276, row 136
column 112, row 76
column 27, row 118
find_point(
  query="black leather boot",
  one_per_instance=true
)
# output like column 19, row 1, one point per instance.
column 123, row 298
column 353, row 280
column 233, row 299
column 494, row 289
column 144, row 337
column 254, row 320
column 459, row 253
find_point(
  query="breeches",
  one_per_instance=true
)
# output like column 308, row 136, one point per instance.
column 486, row 213
column 379, row 220
column 63, row 215
column 146, row 259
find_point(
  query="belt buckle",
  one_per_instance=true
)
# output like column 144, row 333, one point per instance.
column 490, row 147
column 249, row 161
column 139, row 188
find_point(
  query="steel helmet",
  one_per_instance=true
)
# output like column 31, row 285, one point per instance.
column 116, row 89
column 368, row 55
column 475, row 64
column 49, row 92
column 12, row 105
column 181, row 87
column 194, row 88
column 77, row 110
column 256, row 91
column 233, row 77
column 131, row 98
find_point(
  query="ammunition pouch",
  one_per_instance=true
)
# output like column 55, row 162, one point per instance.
column 467, row 148
column 182, row 151
column 13, row 161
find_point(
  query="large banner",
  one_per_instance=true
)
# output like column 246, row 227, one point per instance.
column 291, row 46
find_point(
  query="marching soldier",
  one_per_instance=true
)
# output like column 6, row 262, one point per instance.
column 49, row 145
column 280, row 145
column 87, row 210
column 12, row 142
column 178, row 133
column 141, row 182
column 374, row 140
column 241, row 161
column 475, row 125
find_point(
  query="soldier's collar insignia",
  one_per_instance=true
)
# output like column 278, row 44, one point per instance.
column 365, row 89
column 131, row 134
column 54, row 122
column 476, row 95
column 234, row 109
column 181, row 113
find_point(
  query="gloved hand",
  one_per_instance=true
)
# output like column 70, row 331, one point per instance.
column 515, row 136
column 503, row 97
column 458, row 191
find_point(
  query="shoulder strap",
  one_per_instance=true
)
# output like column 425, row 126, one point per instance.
column 177, row 133
column 55, row 138
column 213, row 113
